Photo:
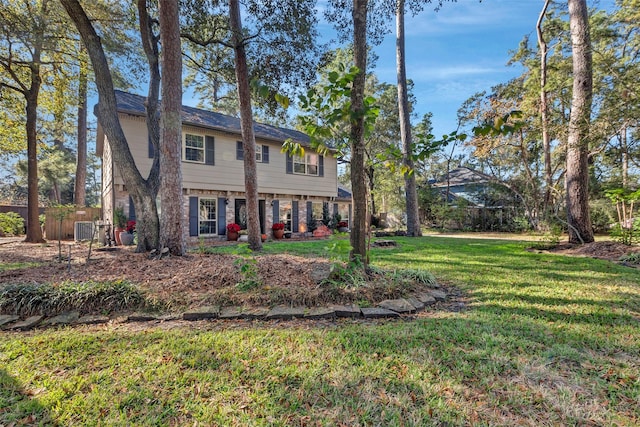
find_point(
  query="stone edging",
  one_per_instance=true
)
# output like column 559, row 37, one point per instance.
column 392, row 308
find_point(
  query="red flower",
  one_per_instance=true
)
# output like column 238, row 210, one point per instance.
column 233, row 228
column 278, row 226
column 343, row 224
column 131, row 226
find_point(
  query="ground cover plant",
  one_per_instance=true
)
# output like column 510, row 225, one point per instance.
column 544, row 339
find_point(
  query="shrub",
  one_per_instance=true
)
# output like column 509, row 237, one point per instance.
column 11, row 223
column 627, row 235
column 632, row 258
column 86, row 297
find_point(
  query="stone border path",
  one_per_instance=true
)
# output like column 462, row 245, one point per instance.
column 393, row 308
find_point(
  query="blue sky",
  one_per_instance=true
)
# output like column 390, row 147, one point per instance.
column 458, row 51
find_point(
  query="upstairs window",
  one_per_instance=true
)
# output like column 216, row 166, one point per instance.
column 194, row 148
column 262, row 152
column 306, row 165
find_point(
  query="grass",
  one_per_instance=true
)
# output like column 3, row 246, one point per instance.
column 16, row 265
column 547, row 340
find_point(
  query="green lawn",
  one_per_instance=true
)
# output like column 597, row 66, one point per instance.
column 545, row 340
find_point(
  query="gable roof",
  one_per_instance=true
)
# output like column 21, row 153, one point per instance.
column 472, row 186
column 134, row 104
column 344, row 193
column 462, row 176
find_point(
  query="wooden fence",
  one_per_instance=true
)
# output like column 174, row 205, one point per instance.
column 53, row 227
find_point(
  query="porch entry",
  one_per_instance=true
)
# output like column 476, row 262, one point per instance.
column 241, row 213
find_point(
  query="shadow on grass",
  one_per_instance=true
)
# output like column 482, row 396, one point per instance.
column 18, row 407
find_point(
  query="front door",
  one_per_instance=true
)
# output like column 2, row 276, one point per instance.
column 241, row 213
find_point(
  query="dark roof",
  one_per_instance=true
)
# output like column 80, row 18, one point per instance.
column 134, row 104
column 343, row 192
column 462, row 176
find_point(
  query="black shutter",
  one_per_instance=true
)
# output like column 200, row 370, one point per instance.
column 321, row 166
column 132, row 210
column 209, row 151
column 222, row 216
column 265, row 154
column 335, row 208
column 276, row 211
column 289, row 163
column 194, row 223
column 294, row 216
column 239, row 151
column 350, row 215
column 151, row 149
column 309, row 213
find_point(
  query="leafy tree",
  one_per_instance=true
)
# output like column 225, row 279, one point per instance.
column 280, row 45
column 23, row 61
column 142, row 191
column 413, row 220
column 55, row 172
column 274, row 53
column 246, row 124
column 544, row 108
column 80, row 198
column 13, row 135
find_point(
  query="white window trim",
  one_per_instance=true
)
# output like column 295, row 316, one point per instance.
column 305, row 161
column 215, row 219
column 259, row 153
column 288, row 223
column 346, row 218
column 184, row 148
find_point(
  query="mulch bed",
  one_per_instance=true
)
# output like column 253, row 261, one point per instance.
column 192, row 280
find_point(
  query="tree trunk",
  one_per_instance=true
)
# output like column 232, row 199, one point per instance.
column 246, row 124
column 172, row 215
column 544, row 112
column 151, row 50
column 371, row 180
column 577, row 173
column 34, row 231
column 358, row 172
column 413, row 218
column 143, row 198
column 624, row 147
column 79, row 196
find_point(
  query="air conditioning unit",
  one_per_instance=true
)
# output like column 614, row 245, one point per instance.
column 83, row 230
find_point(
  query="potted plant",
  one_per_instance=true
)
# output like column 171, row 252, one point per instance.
column 119, row 223
column 278, row 230
column 244, row 236
column 127, row 236
column 232, row 231
column 343, row 227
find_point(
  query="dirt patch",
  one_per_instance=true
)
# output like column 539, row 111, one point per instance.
column 196, row 280
column 609, row 250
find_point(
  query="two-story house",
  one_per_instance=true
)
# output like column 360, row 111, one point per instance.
column 292, row 189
